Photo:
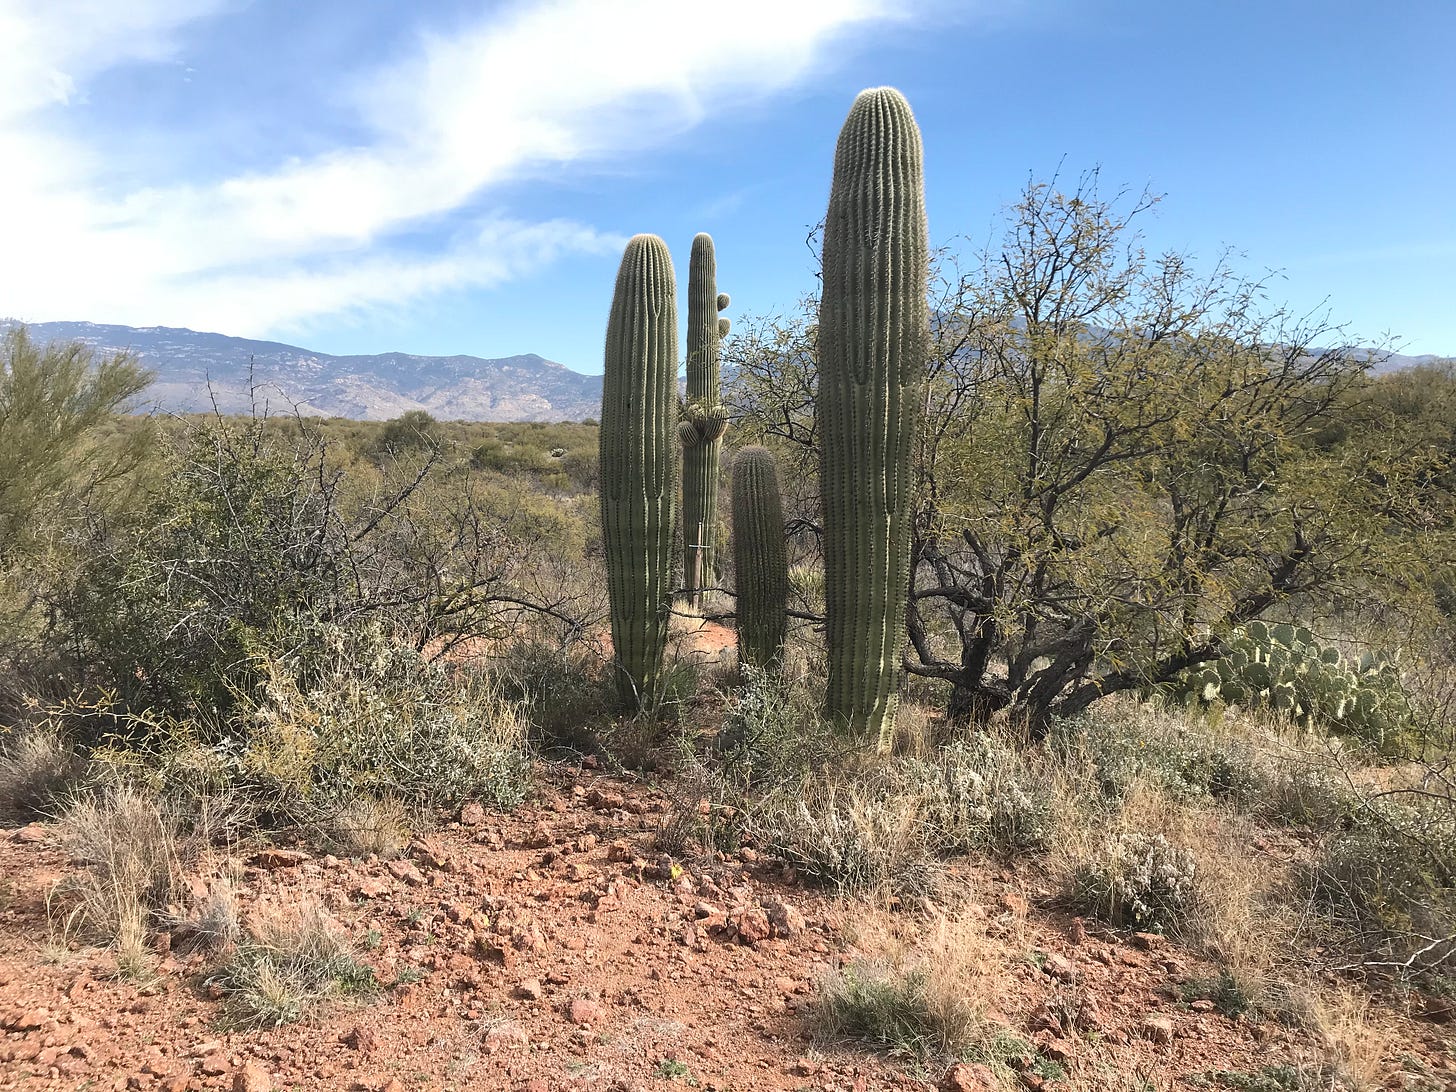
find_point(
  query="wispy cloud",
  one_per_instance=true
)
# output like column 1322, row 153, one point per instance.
column 447, row 119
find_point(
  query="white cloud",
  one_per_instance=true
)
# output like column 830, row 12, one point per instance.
column 544, row 83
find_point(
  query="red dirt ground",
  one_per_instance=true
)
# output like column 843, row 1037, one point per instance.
column 559, row 951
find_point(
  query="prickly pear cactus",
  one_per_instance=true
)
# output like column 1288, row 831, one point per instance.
column 873, row 326
column 704, row 420
column 760, row 559
column 1283, row 667
column 638, row 462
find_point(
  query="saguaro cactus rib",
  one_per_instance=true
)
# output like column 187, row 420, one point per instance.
column 639, row 460
column 760, row 558
column 873, row 327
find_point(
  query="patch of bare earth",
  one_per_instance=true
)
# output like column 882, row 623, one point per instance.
column 554, row 949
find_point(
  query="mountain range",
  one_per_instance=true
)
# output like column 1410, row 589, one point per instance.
column 195, row 371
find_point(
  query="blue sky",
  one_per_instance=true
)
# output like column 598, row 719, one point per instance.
column 460, row 175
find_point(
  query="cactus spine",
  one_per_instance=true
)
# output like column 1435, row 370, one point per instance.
column 873, row 326
column 760, row 560
column 638, row 461
column 704, row 420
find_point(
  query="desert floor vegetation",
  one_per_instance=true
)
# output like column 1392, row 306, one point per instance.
column 318, row 769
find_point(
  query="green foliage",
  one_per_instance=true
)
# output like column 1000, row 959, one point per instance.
column 415, row 430
column 38, row 767
column 1282, row 667
column 1271, row 1078
column 56, row 402
column 911, row 1012
column 1116, row 462
column 252, row 536
column 1389, row 877
column 773, row 732
column 1225, row 991
column 355, row 714
column 638, row 456
column 565, row 696
column 983, row 795
column 885, row 825
column 1119, row 749
column 760, row 561
column 704, row 421
column 873, row 325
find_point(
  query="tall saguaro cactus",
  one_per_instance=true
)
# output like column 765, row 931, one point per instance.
column 705, row 420
column 638, row 461
column 873, row 329
column 760, row 558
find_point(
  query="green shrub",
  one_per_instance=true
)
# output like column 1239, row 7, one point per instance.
column 983, row 794
column 1390, row 880
column 566, row 697
column 1138, row 880
column 849, row 835
column 773, row 731
column 359, row 714
column 913, row 1012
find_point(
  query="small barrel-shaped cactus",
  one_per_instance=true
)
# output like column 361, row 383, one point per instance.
column 638, row 462
column 873, row 330
column 760, row 559
column 702, row 458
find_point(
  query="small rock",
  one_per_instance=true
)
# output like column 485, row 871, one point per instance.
column 392, row 1085
column 1077, row 931
column 1202, row 1005
column 964, row 1077
column 1159, row 1029
column 529, row 989
column 361, row 1039
column 1149, row 942
column 1060, row 967
column 405, row 872
column 26, row 1020
column 508, row 1035
column 32, row 833
column 472, row 814
column 1013, row 904
column 215, row 1064
column 785, row 919
column 752, row 925
column 371, row 889
column 805, row 1067
column 252, row 1078
column 274, row 858
column 585, row 1012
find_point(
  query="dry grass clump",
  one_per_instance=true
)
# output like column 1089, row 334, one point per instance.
column 851, row 835
column 1353, row 1043
column 923, row 992
column 132, row 855
column 212, row 926
column 364, row 827
column 291, row 965
column 37, row 767
column 1187, row 869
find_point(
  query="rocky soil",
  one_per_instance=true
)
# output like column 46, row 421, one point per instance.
column 556, row 949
